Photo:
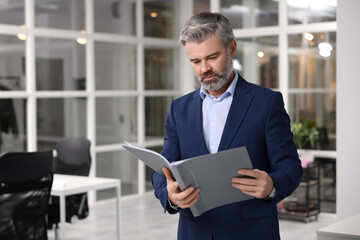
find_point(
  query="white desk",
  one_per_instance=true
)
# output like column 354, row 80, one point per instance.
column 65, row 185
column 343, row 230
column 318, row 153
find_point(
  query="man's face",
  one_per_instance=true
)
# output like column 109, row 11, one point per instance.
column 211, row 61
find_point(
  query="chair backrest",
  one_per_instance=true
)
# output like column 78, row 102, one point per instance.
column 73, row 156
column 25, row 185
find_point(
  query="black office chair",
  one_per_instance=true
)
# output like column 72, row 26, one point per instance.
column 25, row 185
column 73, row 158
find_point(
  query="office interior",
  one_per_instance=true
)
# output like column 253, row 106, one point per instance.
column 107, row 70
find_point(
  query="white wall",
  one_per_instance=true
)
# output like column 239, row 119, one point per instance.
column 348, row 109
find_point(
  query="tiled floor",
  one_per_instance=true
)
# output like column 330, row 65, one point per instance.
column 142, row 218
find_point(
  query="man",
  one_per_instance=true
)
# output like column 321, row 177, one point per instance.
column 227, row 112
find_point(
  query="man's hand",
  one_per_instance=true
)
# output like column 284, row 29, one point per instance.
column 259, row 186
column 182, row 199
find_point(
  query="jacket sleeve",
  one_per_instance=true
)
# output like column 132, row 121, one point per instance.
column 171, row 151
column 286, row 170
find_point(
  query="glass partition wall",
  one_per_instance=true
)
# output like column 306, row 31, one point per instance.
column 99, row 69
column 290, row 46
column 107, row 70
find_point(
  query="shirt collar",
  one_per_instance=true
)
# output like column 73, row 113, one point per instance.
column 229, row 91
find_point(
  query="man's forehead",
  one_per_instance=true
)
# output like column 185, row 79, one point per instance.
column 204, row 48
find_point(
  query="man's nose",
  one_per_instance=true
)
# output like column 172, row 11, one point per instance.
column 205, row 67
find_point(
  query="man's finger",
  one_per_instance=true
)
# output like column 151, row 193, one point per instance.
column 192, row 202
column 249, row 172
column 186, row 193
column 245, row 188
column 188, row 200
column 168, row 175
column 244, row 181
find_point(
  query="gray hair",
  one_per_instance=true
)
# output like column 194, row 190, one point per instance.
column 201, row 26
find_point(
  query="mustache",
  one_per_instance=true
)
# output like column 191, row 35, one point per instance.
column 208, row 74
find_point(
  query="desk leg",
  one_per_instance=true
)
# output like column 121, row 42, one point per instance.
column 62, row 217
column 118, row 193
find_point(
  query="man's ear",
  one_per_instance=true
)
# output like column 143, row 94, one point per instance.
column 232, row 48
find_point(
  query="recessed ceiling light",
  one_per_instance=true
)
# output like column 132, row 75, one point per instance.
column 308, row 36
column 154, row 14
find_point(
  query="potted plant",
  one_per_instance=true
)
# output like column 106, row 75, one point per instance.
column 305, row 135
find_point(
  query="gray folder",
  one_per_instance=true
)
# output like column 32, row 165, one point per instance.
column 211, row 173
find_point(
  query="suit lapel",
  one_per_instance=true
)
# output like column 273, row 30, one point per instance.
column 195, row 123
column 241, row 102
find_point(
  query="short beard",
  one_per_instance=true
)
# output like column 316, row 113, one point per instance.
column 223, row 77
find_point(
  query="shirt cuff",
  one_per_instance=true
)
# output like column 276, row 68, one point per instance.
column 272, row 195
column 173, row 206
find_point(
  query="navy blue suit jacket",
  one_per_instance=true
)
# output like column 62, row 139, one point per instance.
column 257, row 119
